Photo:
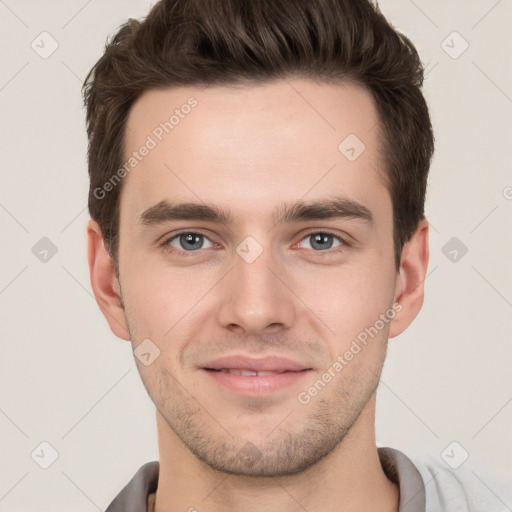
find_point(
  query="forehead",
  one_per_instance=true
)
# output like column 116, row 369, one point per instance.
column 252, row 146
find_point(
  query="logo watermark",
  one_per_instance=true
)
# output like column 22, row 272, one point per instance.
column 357, row 345
column 157, row 135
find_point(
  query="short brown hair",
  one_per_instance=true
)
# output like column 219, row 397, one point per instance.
column 222, row 42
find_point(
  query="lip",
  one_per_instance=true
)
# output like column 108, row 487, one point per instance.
column 289, row 372
column 263, row 364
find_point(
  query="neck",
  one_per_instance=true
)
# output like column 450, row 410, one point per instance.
column 349, row 479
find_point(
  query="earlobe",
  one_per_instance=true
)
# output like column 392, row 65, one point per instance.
column 104, row 282
column 409, row 289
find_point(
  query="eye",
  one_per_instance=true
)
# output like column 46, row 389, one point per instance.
column 321, row 241
column 188, row 241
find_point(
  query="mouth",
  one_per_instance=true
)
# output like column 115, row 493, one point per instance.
column 253, row 377
column 243, row 363
column 248, row 373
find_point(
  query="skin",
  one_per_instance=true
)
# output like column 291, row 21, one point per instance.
column 248, row 150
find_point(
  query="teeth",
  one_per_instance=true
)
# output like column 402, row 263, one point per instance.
column 248, row 373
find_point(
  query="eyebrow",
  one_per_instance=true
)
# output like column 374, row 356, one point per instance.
column 334, row 208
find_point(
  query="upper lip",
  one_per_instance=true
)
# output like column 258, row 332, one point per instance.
column 264, row 364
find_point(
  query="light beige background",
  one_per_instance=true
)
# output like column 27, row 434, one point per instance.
column 66, row 380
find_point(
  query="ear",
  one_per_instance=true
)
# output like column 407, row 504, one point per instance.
column 104, row 281
column 409, row 290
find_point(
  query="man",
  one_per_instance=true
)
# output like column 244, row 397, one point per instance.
column 258, row 173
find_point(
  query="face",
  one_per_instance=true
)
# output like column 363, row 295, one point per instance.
column 251, row 241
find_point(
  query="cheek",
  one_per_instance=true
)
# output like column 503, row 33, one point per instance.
column 162, row 299
column 349, row 300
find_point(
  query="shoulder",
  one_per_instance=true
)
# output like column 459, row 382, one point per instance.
column 464, row 489
column 134, row 495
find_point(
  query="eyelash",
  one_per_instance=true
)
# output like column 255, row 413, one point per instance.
column 164, row 245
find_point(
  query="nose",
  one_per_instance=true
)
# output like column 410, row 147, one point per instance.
column 255, row 298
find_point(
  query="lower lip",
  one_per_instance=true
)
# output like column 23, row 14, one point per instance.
column 254, row 384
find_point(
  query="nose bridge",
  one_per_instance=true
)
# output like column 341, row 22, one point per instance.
column 254, row 299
